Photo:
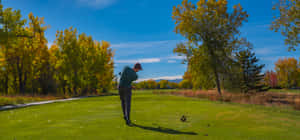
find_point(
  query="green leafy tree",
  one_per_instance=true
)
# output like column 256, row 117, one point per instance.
column 202, row 76
column 212, row 33
column 288, row 22
column 185, row 84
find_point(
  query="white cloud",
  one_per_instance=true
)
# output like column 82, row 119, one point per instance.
column 177, row 57
column 145, row 44
column 171, row 61
column 132, row 61
column 162, row 78
column 99, row 4
column 275, row 58
column 263, row 51
column 270, row 50
column 132, row 49
column 146, row 48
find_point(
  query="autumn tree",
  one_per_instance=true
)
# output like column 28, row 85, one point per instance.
column 287, row 22
column 5, row 34
column 212, row 33
column 271, row 79
column 174, row 85
column 148, row 84
column 152, row 84
column 31, row 57
column 85, row 65
column 75, row 64
column 163, row 84
column 287, row 70
column 13, row 24
column 103, row 66
column 140, row 85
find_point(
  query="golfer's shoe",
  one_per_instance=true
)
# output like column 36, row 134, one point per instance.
column 128, row 122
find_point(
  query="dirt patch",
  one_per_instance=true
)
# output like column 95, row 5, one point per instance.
column 297, row 103
column 263, row 98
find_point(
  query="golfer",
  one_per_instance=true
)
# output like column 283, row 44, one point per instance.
column 127, row 77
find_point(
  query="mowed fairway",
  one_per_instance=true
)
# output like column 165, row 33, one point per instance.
column 157, row 117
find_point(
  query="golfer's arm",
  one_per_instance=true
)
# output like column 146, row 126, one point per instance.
column 135, row 77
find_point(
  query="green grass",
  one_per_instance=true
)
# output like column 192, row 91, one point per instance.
column 285, row 90
column 157, row 117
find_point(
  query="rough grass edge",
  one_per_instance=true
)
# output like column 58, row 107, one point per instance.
column 22, row 99
column 263, row 98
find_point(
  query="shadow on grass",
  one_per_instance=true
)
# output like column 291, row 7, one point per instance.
column 163, row 130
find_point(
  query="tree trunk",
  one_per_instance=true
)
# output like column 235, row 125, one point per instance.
column 215, row 63
column 6, row 84
column 20, row 74
column 15, row 82
column 217, row 81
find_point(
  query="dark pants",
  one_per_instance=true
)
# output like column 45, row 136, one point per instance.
column 125, row 96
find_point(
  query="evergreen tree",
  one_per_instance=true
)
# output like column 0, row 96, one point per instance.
column 250, row 72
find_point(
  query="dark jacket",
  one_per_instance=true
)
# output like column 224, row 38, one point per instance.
column 127, row 77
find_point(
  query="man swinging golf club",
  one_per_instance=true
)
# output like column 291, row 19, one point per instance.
column 127, row 77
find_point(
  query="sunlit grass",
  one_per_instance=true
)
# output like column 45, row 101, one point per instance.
column 156, row 117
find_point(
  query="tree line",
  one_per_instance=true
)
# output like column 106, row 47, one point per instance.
column 75, row 64
column 285, row 75
column 162, row 84
column 152, row 84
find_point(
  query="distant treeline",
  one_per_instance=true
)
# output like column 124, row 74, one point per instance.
column 75, row 64
column 285, row 75
column 162, row 84
column 151, row 84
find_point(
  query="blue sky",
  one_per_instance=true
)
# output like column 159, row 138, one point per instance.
column 143, row 30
